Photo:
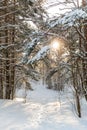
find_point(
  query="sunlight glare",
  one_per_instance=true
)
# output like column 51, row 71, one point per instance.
column 19, row 99
column 80, row 2
column 55, row 45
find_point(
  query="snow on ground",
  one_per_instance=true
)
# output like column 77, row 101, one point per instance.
column 43, row 110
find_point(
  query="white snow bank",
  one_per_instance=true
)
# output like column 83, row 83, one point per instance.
column 44, row 111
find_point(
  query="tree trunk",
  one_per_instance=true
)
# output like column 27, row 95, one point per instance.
column 1, row 73
column 13, row 55
column 1, row 81
column 85, row 50
column 8, row 91
column 78, row 104
column 75, row 85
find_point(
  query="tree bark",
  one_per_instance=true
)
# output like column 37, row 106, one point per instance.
column 8, row 91
column 85, row 51
column 13, row 56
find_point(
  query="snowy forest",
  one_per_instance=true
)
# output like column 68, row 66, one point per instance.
column 43, row 64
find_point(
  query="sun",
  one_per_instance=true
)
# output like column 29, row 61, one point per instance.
column 55, row 45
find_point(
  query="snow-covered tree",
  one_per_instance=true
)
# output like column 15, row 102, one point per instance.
column 20, row 21
column 73, row 28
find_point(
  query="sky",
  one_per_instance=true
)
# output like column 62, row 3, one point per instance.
column 55, row 9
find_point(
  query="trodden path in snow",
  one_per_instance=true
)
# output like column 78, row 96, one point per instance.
column 42, row 111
